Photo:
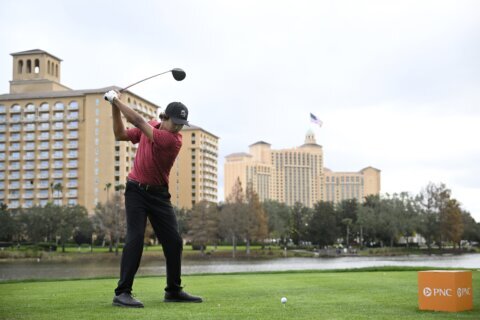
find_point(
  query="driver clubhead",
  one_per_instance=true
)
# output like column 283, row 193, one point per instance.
column 178, row 74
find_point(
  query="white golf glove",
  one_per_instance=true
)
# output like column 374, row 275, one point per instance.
column 110, row 96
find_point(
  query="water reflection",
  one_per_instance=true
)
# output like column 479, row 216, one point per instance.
column 155, row 266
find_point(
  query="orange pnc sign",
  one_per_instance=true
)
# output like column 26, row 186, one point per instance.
column 444, row 290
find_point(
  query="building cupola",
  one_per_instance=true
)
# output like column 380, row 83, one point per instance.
column 35, row 71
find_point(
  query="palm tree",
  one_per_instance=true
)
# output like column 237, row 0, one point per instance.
column 107, row 188
column 56, row 187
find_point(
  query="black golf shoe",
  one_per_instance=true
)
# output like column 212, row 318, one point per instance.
column 180, row 296
column 126, row 300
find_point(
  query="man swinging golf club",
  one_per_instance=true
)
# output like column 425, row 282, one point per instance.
column 146, row 194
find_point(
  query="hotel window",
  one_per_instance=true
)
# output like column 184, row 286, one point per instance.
column 73, row 125
column 59, row 106
column 44, row 107
column 73, row 105
column 14, row 155
column 15, row 146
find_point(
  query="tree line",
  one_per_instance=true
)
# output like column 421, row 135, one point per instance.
column 243, row 219
column 388, row 220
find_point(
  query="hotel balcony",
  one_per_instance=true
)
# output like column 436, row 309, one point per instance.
column 28, row 166
column 28, row 196
column 59, row 107
column 29, row 137
column 15, row 129
column 72, row 156
column 29, row 109
column 72, row 184
column 42, row 195
column 72, row 175
column 57, row 175
column 28, row 186
column 15, row 109
column 43, row 118
column 29, row 127
column 44, row 137
column 14, row 177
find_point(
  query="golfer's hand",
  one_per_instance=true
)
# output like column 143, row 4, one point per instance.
column 110, row 96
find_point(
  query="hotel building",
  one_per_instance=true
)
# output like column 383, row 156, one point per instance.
column 51, row 135
column 296, row 175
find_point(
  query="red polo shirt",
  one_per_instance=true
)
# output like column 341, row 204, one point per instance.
column 154, row 159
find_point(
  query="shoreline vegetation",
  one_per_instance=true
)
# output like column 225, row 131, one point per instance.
column 74, row 253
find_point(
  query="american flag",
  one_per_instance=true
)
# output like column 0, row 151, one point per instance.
column 314, row 119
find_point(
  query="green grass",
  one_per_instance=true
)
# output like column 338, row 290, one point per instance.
column 380, row 294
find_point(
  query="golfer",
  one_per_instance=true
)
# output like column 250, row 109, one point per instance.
column 146, row 194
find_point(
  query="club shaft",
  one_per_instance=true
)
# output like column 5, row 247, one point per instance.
column 156, row 75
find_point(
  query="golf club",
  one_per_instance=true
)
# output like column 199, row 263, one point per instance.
column 177, row 73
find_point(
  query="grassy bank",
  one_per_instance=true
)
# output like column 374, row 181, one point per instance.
column 85, row 252
column 380, row 294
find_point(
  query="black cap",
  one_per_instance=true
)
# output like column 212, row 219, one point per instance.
column 178, row 112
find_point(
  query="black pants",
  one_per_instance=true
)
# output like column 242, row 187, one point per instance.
column 156, row 204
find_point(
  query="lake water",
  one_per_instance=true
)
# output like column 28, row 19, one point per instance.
column 154, row 266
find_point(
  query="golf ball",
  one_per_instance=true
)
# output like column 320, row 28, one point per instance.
column 283, row 300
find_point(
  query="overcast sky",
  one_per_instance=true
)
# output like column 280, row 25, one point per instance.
column 396, row 83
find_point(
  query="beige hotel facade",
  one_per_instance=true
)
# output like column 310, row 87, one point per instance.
column 296, row 175
column 51, row 134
